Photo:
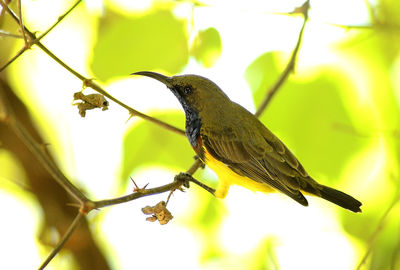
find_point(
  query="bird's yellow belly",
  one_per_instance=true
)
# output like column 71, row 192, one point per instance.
column 227, row 177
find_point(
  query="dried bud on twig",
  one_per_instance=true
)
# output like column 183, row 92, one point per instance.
column 90, row 102
column 159, row 212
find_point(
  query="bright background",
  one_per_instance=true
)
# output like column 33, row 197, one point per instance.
column 339, row 113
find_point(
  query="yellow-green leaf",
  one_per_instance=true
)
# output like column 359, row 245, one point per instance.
column 207, row 47
column 154, row 41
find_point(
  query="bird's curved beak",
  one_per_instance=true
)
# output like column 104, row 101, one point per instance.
column 157, row 76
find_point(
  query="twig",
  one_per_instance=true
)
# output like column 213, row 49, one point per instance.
column 132, row 111
column 188, row 177
column 289, row 68
column 8, row 116
column 89, row 83
column 200, row 184
column 37, row 149
column 378, row 229
column 197, row 164
column 25, row 48
column 14, row 183
column 136, row 195
column 21, row 24
column 185, row 177
column 19, row 53
column 348, row 27
column 6, row 34
column 179, row 180
column 59, row 19
column 63, row 240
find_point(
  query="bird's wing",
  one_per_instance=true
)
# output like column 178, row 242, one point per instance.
column 261, row 156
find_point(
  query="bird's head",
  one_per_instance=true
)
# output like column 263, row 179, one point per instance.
column 193, row 91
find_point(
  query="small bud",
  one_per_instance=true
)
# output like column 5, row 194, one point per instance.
column 159, row 212
column 90, row 102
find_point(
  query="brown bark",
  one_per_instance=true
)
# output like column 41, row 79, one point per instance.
column 52, row 197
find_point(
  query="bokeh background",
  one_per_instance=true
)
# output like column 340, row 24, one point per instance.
column 338, row 112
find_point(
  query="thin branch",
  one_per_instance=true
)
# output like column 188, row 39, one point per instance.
column 33, row 41
column 136, row 195
column 197, row 164
column 89, row 83
column 42, row 156
column 19, row 53
column 7, row 116
column 21, row 23
column 86, row 204
column 37, row 149
column 59, row 19
column 349, row 27
column 96, row 87
column 290, row 66
column 6, row 34
column 63, row 240
column 10, row 183
column 179, row 180
column 188, row 178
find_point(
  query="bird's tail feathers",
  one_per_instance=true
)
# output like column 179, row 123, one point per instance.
column 340, row 198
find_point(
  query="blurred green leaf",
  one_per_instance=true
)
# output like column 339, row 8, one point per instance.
column 264, row 255
column 148, row 144
column 208, row 224
column 153, row 41
column 386, row 246
column 209, row 216
column 309, row 118
column 206, row 221
column 207, row 47
column 257, row 77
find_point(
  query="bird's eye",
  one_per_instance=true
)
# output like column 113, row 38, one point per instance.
column 187, row 89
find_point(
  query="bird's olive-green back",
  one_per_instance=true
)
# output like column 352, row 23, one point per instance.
column 236, row 137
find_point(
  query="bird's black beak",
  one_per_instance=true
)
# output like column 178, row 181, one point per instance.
column 157, row 76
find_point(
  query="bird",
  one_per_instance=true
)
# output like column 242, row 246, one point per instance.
column 238, row 147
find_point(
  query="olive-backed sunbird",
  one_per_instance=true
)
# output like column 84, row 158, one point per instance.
column 238, row 147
